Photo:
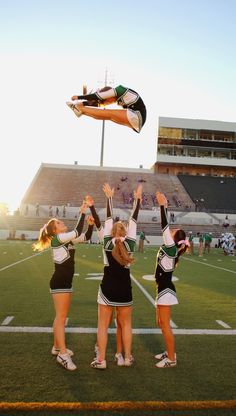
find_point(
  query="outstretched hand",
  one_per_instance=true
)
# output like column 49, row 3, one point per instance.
column 138, row 193
column 90, row 220
column 89, row 200
column 161, row 199
column 108, row 191
column 83, row 208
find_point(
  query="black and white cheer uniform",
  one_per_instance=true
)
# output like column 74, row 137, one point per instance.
column 63, row 252
column 116, row 289
column 166, row 261
column 126, row 98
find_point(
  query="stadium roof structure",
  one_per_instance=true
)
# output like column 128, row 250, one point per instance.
column 197, row 124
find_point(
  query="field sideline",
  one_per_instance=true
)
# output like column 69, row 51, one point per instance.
column 206, row 359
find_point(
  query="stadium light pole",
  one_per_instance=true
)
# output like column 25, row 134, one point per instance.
column 103, row 131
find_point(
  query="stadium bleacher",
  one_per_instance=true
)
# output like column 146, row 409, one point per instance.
column 215, row 194
column 68, row 184
column 59, row 186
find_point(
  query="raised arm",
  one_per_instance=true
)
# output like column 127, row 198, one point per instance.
column 109, row 192
column 167, row 237
column 88, row 234
column 90, row 202
column 98, row 96
column 132, row 227
column 71, row 235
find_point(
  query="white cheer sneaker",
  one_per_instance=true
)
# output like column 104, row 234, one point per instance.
column 166, row 363
column 71, row 105
column 66, row 362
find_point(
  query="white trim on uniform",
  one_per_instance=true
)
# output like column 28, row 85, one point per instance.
column 166, row 297
column 65, row 290
column 135, row 119
column 102, row 300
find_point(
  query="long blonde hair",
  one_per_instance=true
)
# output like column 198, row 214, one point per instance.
column 119, row 251
column 45, row 235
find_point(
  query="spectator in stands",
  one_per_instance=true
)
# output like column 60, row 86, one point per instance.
column 172, row 217
column 132, row 114
column 54, row 234
column 200, row 244
column 37, row 209
column 226, row 222
column 142, row 238
column 115, row 289
column 175, row 244
column 50, row 211
column 153, row 199
column 207, row 243
column 142, row 180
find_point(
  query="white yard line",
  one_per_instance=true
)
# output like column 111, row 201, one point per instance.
column 7, row 320
column 222, row 323
column 20, row 261
column 149, row 297
column 209, row 265
column 136, row 331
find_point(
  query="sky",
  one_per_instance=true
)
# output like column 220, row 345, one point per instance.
column 179, row 55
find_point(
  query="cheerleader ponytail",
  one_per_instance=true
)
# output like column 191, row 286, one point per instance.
column 181, row 243
column 45, row 236
column 120, row 253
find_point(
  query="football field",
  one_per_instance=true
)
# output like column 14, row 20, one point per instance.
column 204, row 324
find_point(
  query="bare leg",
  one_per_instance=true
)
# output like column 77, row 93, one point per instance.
column 119, row 344
column 125, row 319
column 62, row 304
column 163, row 320
column 117, row 116
column 104, row 319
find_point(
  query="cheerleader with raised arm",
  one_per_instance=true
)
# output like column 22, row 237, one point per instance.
column 54, row 234
column 115, row 290
column 175, row 244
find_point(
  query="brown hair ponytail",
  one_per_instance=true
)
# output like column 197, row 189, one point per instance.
column 120, row 253
column 45, row 236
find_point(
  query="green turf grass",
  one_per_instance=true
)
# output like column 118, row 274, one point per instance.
column 206, row 363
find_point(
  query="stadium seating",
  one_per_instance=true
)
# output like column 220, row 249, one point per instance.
column 216, row 194
column 60, row 185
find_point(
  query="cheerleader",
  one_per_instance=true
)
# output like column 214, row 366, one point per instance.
column 132, row 114
column 115, row 289
column 54, row 234
column 175, row 244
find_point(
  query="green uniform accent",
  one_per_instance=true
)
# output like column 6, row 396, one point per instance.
column 142, row 236
column 207, row 238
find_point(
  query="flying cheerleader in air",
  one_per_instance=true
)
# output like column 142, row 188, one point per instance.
column 132, row 114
